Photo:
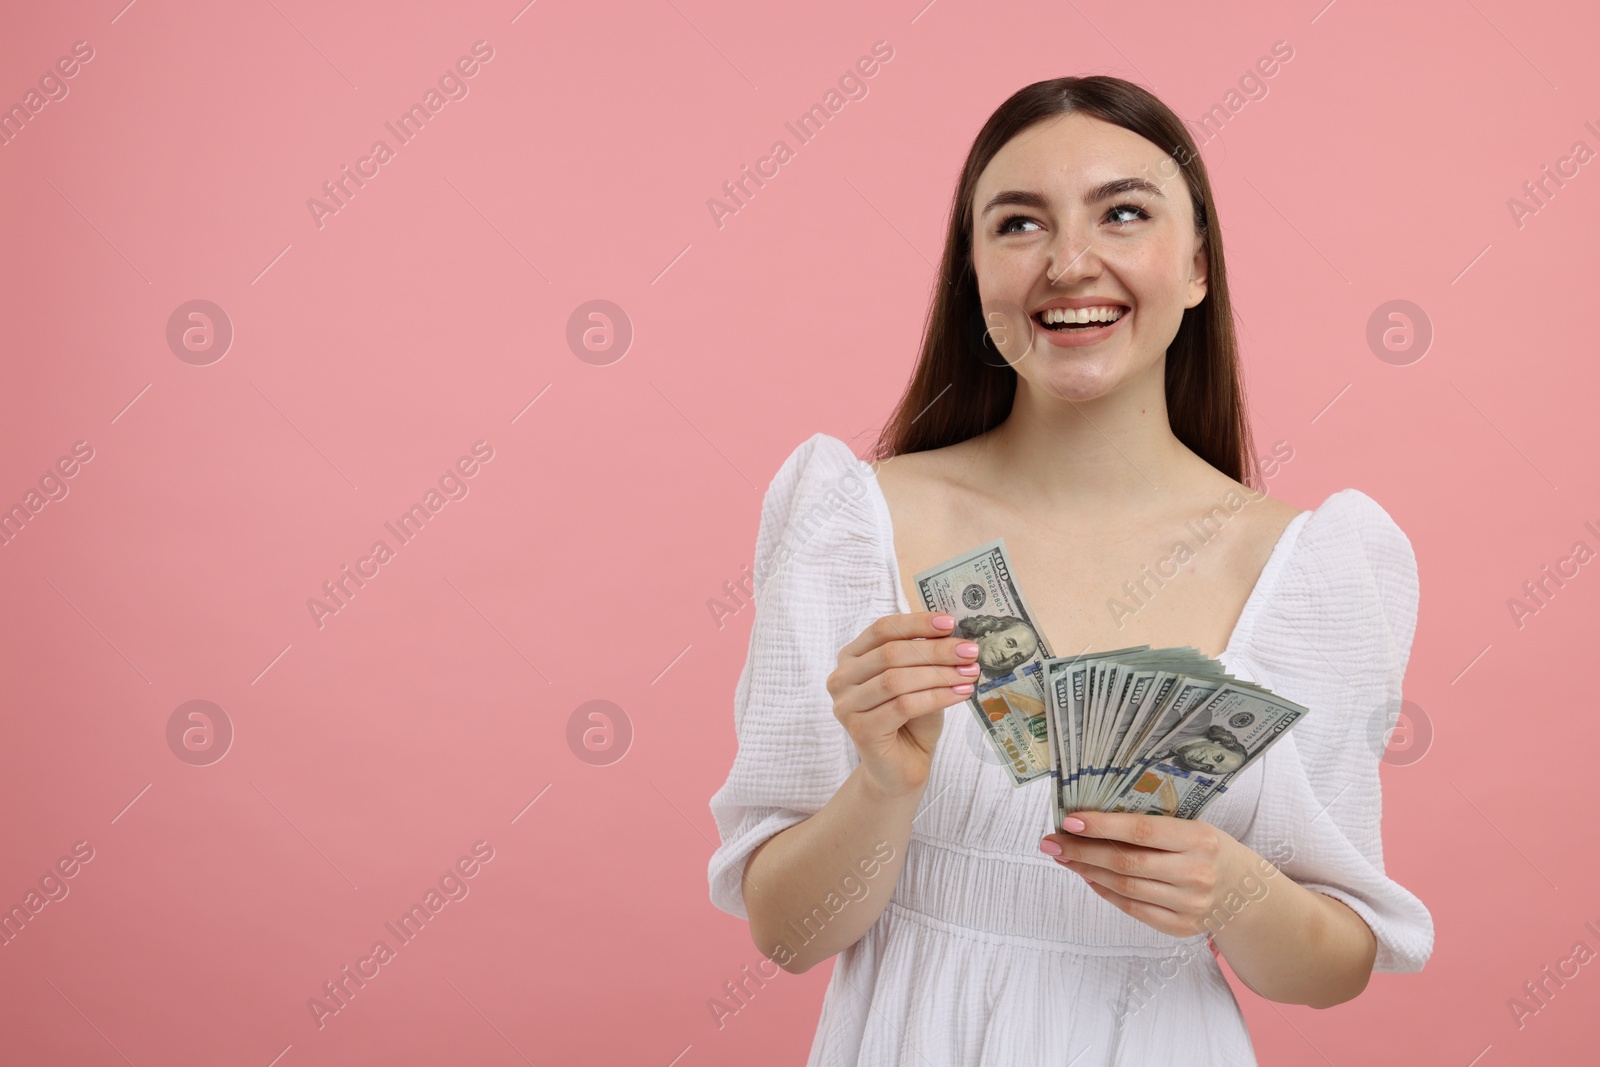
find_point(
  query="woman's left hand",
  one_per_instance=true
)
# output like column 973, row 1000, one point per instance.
column 1168, row 873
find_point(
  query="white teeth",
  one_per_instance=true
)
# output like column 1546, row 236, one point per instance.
column 1106, row 313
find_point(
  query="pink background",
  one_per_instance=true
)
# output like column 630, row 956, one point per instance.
column 371, row 352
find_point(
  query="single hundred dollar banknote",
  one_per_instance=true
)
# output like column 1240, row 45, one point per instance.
column 979, row 589
column 1211, row 746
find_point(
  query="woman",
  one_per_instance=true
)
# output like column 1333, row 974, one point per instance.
column 1078, row 394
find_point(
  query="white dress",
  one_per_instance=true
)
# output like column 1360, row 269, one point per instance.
column 988, row 951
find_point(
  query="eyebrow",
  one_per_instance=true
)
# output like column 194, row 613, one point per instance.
column 1103, row 191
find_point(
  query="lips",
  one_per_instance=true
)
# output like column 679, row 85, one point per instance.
column 1078, row 302
column 1075, row 336
column 1039, row 317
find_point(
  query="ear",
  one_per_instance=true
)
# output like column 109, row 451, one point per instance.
column 1199, row 276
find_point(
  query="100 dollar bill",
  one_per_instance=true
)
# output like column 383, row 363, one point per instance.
column 1212, row 745
column 979, row 590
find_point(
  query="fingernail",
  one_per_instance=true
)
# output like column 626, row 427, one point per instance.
column 1049, row 847
column 969, row 669
column 1071, row 824
column 964, row 687
column 967, row 648
column 944, row 622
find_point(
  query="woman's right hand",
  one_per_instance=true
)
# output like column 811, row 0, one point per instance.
column 889, row 683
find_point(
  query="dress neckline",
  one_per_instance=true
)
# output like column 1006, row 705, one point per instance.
column 1243, row 628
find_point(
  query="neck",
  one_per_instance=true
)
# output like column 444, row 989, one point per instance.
column 1112, row 451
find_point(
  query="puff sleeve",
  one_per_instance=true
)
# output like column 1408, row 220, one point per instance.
column 820, row 578
column 1337, row 639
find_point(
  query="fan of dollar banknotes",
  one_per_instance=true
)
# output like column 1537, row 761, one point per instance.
column 1154, row 730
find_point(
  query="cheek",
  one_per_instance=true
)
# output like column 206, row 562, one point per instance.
column 1003, row 277
column 1156, row 270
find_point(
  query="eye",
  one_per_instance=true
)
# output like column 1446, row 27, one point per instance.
column 1138, row 213
column 1120, row 215
column 1005, row 224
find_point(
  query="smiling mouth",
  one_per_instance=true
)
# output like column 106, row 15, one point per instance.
column 1064, row 320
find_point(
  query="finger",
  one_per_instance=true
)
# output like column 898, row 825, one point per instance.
column 1152, row 831
column 898, row 628
column 1149, row 890
column 1121, row 858
column 895, row 713
column 1163, row 919
column 948, row 651
column 900, row 681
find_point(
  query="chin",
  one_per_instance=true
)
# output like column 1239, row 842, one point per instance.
column 1075, row 388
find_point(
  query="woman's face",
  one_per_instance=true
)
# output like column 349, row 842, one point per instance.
column 1057, row 233
column 1005, row 650
column 1210, row 757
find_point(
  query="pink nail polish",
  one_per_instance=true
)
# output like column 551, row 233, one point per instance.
column 969, row 669
column 967, row 648
column 963, row 688
column 1049, row 847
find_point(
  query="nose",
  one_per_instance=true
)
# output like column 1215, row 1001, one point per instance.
column 1071, row 258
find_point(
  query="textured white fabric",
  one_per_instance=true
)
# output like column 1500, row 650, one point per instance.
column 988, row 951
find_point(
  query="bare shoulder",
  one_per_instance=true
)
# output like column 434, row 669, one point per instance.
column 916, row 480
column 1261, row 521
column 1273, row 514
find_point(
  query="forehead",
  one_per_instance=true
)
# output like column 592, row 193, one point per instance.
column 1071, row 152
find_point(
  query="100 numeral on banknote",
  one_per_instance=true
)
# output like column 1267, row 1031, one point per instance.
column 980, row 592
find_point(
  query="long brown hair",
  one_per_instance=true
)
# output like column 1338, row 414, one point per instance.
column 956, row 393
